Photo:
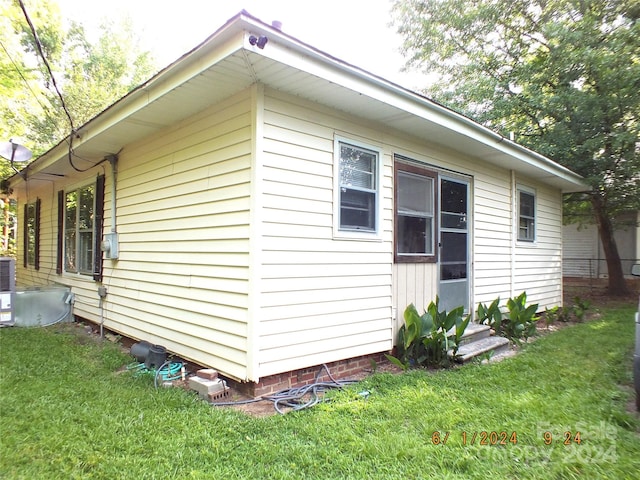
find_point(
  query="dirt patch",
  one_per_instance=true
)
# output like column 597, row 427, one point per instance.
column 595, row 291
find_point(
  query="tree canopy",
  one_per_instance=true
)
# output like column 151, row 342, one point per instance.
column 562, row 75
column 91, row 75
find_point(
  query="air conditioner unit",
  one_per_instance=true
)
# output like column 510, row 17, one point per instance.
column 7, row 290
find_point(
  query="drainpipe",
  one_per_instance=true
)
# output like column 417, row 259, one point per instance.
column 110, row 244
column 113, row 160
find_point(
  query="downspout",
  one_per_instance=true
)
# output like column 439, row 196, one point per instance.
column 110, row 243
column 113, row 160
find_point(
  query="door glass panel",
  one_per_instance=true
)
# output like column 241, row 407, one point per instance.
column 454, row 245
column 454, row 220
column 453, row 261
column 453, row 196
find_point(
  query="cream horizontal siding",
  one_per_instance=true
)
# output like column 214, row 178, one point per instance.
column 499, row 268
column 539, row 264
column 322, row 299
column 182, row 278
column 415, row 283
column 46, row 275
column 492, row 234
column 84, row 288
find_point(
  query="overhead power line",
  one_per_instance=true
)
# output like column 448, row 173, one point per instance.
column 55, row 86
column 46, row 63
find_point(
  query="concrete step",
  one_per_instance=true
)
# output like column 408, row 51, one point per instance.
column 499, row 346
column 474, row 332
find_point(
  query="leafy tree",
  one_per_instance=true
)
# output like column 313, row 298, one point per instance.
column 564, row 75
column 90, row 75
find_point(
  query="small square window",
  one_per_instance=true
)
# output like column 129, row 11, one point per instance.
column 358, row 185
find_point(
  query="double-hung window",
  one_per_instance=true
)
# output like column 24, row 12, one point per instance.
column 79, row 227
column 526, row 215
column 32, row 234
column 358, row 188
column 415, row 219
column 80, row 222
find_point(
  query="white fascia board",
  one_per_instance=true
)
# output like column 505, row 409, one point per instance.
column 219, row 46
column 288, row 51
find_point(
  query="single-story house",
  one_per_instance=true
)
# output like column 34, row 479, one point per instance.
column 262, row 208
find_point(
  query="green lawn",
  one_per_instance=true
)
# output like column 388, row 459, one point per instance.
column 66, row 413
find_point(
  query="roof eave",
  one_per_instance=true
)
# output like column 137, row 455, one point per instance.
column 287, row 50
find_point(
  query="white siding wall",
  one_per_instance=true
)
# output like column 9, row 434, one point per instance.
column 580, row 251
column 538, row 265
column 257, row 286
column 500, row 267
column 26, row 277
column 83, row 286
column 323, row 299
column 493, row 235
column 183, row 221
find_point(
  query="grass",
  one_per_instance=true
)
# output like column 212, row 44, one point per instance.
column 66, row 413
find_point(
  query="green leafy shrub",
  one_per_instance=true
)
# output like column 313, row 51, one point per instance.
column 425, row 340
column 575, row 312
column 518, row 322
column 579, row 308
column 556, row 314
column 491, row 315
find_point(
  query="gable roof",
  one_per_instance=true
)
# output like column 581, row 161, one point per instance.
column 227, row 62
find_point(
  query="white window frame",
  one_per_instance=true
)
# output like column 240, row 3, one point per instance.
column 79, row 271
column 529, row 240
column 31, row 234
column 340, row 232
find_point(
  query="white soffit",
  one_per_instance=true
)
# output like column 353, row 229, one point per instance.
column 227, row 63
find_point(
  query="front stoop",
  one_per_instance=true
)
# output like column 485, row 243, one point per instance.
column 497, row 345
column 475, row 332
column 477, row 340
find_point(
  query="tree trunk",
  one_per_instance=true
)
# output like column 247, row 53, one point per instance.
column 617, row 284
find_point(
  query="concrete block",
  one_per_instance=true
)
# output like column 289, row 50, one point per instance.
column 207, row 373
column 205, row 387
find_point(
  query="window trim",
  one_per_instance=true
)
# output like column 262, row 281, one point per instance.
column 521, row 189
column 423, row 172
column 95, row 269
column 340, row 232
column 36, row 206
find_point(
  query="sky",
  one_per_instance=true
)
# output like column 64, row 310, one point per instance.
column 356, row 31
